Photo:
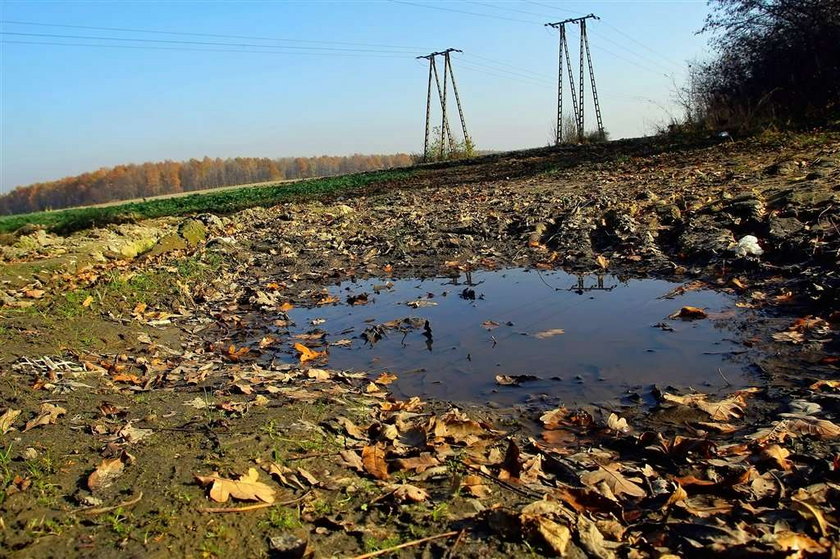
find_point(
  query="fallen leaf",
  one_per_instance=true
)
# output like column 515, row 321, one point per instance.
column 619, row 424
column 88, row 300
column 790, row 337
column 105, row 474
column 514, row 380
column 602, row 262
column 475, row 486
column 556, row 536
column 47, row 415
column 549, row 333
column 385, row 378
column 7, row 419
column 792, row 541
column 373, row 458
column 352, row 460
column 246, row 488
column 307, row 354
column 285, row 307
column 777, row 454
column 34, row 293
column 617, row 483
column 350, row 428
column 821, row 428
column 689, row 313
column 410, row 493
column 318, row 374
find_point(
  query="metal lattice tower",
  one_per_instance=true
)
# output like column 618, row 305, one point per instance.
column 445, row 131
column 579, row 96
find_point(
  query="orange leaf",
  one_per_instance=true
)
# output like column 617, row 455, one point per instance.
column 307, row 354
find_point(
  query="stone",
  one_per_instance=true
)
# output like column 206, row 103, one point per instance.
column 782, row 228
column 193, row 231
column 167, row 243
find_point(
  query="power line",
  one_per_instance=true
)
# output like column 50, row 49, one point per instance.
column 460, row 11
column 188, row 49
column 470, row 68
column 180, row 42
column 217, row 35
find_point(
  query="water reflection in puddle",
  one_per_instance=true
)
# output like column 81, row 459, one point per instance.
column 584, row 339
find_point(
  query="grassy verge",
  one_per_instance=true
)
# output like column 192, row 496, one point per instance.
column 68, row 221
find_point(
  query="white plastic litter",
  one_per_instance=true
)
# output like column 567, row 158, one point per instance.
column 748, row 246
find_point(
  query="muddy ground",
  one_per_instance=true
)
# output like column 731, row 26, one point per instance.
column 140, row 361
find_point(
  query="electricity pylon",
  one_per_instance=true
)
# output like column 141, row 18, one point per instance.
column 445, row 131
column 577, row 99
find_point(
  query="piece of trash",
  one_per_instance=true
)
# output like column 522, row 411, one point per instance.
column 747, row 246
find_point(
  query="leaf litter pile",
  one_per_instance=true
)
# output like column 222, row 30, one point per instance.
column 186, row 437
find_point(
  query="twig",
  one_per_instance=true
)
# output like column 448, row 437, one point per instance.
column 724, row 378
column 132, row 502
column 238, row 509
column 257, row 506
column 451, row 551
column 407, row 544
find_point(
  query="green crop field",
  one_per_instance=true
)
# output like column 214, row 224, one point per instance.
column 227, row 201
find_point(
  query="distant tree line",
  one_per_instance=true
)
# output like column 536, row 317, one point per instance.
column 777, row 63
column 126, row 182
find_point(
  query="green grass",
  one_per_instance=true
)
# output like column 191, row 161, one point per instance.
column 227, row 201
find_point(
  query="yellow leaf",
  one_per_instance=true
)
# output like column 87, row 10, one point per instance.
column 246, row 488
column 602, row 262
column 88, row 300
column 285, row 307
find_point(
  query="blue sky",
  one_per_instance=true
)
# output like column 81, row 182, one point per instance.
column 347, row 80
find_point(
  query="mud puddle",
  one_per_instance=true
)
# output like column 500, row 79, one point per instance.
column 513, row 336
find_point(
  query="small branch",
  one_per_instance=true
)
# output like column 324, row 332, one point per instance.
column 254, row 507
column 407, row 544
column 124, row 504
column 238, row 509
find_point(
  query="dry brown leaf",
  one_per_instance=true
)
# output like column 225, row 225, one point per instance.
column 351, row 428
column 777, row 454
column 690, row 313
column 246, row 488
column 790, row 337
column 410, row 493
column 619, row 424
column 821, row 428
column 385, row 378
column 549, row 333
column 556, row 536
column 373, row 458
column 475, row 486
column 47, row 415
column 617, row 483
column 352, row 460
column 317, row 374
column 417, row 464
column 105, row 474
column 7, row 419
column 792, row 541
